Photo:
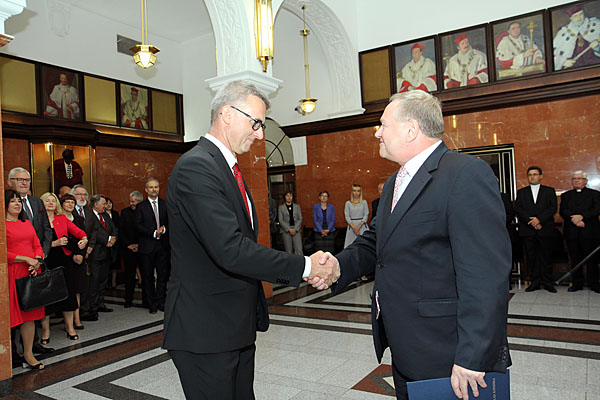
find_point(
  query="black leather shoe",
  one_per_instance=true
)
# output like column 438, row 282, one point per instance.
column 90, row 317
column 574, row 288
column 104, row 309
column 531, row 288
column 153, row 310
column 161, row 307
column 595, row 289
column 39, row 349
column 550, row 288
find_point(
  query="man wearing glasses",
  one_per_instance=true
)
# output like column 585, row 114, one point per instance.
column 215, row 300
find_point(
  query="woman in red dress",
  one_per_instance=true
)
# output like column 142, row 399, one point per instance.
column 22, row 250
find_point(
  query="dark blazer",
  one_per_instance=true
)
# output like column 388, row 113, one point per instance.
column 318, row 217
column 215, row 301
column 41, row 224
column 442, row 261
column 146, row 225
column 101, row 252
column 585, row 203
column 544, row 209
column 90, row 226
column 374, row 206
column 128, row 227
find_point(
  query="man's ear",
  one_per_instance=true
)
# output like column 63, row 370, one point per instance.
column 226, row 115
column 413, row 130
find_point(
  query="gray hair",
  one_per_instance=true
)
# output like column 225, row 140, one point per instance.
column 580, row 172
column 138, row 195
column 150, row 180
column 96, row 198
column 77, row 186
column 235, row 93
column 422, row 107
column 13, row 171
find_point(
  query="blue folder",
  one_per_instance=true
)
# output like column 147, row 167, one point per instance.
column 498, row 388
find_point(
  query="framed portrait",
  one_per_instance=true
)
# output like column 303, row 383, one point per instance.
column 60, row 93
column 576, row 35
column 134, row 109
column 415, row 65
column 375, row 76
column 465, row 57
column 519, row 46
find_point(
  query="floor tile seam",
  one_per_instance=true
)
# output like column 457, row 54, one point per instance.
column 324, row 306
column 593, row 346
column 555, row 351
column 548, row 327
column 321, row 320
column 554, row 319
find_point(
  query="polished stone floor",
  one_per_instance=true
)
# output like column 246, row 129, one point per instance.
column 318, row 347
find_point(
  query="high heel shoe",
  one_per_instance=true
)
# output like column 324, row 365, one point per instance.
column 44, row 341
column 37, row 366
column 73, row 337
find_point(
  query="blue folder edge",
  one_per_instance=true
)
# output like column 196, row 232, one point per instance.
column 498, row 388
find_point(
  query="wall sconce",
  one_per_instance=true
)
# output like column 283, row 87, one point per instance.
column 308, row 104
column 263, row 25
column 145, row 54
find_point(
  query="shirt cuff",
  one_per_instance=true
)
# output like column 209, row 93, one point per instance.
column 307, row 267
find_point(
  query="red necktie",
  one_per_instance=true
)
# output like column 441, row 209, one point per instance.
column 103, row 223
column 240, row 182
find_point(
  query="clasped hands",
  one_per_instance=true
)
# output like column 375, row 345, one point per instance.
column 325, row 270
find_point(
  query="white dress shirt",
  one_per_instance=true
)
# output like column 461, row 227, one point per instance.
column 535, row 189
column 413, row 165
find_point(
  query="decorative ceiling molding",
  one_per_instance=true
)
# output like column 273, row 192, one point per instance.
column 8, row 8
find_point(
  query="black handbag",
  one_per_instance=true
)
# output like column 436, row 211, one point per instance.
column 47, row 287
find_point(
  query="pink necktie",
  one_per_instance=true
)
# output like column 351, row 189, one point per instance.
column 240, row 182
column 399, row 178
column 155, row 208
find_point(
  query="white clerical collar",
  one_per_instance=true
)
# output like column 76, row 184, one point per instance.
column 535, row 186
column 413, row 165
column 229, row 157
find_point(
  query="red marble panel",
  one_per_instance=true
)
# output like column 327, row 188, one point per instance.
column 15, row 154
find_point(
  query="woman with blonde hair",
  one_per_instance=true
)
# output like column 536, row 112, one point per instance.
column 60, row 255
column 356, row 212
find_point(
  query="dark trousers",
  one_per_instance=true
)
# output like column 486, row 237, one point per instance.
column 223, row 376
column 578, row 249
column 131, row 261
column 325, row 243
column 538, row 251
column 98, row 279
column 158, row 259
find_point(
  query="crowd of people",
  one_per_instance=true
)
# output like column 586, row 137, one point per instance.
column 88, row 239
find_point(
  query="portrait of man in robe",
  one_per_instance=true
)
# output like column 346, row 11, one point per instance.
column 519, row 46
column 60, row 94
column 134, row 107
column 415, row 66
column 464, row 56
column 576, row 35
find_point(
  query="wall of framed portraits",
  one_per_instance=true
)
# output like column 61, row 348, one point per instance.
column 61, row 94
column 542, row 43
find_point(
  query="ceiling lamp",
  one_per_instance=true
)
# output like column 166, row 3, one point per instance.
column 263, row 25
column 308, row 104
column 145, row 54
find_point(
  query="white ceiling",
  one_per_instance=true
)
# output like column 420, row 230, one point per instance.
column 177, row 20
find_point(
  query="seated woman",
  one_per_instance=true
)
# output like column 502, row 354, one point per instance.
column 324, row 223
column 356, row 212
column 22, row 252
column 61, row 256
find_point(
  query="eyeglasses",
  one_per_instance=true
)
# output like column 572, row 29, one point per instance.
column 257, row 123
column 21, row 180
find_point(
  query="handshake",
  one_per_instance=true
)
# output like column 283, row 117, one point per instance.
column 325, row 270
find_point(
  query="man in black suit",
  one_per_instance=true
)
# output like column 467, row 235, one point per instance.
column 128, row 236
column 440, row 253
column 375, row 203
column 19, row 179
column 153, row 235
column 215, row 302
column 106, row 237
column 535, row 206
column 580, row 210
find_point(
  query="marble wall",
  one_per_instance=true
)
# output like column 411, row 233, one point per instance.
column 559, row 136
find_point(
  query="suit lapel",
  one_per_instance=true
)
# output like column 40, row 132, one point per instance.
column 412, row 191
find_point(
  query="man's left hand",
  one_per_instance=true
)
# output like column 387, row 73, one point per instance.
column 462, row 378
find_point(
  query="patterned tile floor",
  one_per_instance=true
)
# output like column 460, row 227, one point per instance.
column 318, row 347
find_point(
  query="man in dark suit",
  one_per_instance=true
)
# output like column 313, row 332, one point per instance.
column 153, row 235
column 440, row 253
column 19, row 179
column 535, row 206
column 375, row 203
column 106, row 237
column 580, row 210
column 128, row 236
column 215, row 302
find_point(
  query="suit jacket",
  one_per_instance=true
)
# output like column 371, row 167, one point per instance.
column 284, row 218
column 374, row 207
column 585, row 203
column 318, row 217
column 442, row 261
column 146, row 225
column 128, row 227
column 101, row 252
column 90, row 226
column 41, row 224
column 215, row 301
column 544, row 209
